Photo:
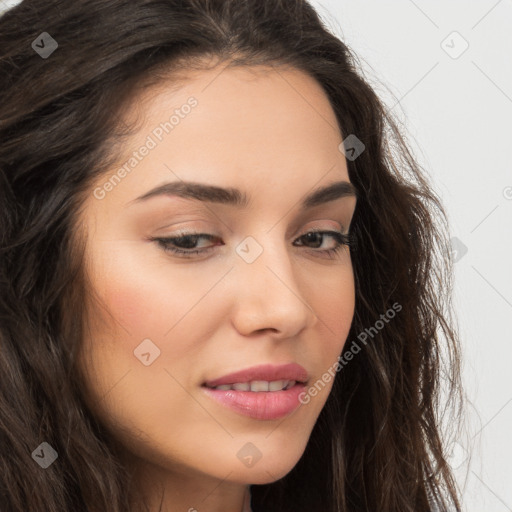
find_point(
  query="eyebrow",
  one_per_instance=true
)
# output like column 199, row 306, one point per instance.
column 237, row 198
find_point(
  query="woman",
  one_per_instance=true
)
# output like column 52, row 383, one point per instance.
column 291, row 362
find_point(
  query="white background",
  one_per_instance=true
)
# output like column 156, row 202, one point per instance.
column 457, row 111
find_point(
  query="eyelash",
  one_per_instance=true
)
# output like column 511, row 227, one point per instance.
column 341, row 238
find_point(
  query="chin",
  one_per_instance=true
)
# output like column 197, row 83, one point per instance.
column 266, row 470
column 269, row 475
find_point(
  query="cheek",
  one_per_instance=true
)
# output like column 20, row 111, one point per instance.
column 134, row 304
column 142, row 291
column 335, row 304
column 143, row 297
column 138, row 303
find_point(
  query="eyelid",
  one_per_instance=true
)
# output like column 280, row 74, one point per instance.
column 323, row 229
column 182, row 232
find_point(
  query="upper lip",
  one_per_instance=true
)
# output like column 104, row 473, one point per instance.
column 268, row 372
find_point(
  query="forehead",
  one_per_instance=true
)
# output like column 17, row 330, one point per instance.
column 237, row 91
column 247, row 126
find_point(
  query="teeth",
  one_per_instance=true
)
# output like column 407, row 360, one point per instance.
column 241, row 386
column 258, row 385
column 277, row 385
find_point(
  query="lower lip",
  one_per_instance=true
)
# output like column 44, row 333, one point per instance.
column 260, row 405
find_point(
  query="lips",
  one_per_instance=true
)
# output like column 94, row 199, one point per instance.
column 264, row 372
column 269, row 405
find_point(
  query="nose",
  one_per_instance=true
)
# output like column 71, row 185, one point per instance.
column 268, row 296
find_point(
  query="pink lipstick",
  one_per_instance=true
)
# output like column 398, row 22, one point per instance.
column 264, row 392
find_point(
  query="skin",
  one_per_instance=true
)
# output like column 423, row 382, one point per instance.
column 272, row 134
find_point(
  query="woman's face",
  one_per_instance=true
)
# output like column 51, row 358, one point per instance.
column 260, row 293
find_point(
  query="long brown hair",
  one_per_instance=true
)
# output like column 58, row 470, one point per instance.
column 377, row 444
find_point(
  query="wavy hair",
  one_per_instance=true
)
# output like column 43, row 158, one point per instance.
column 377, row 444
